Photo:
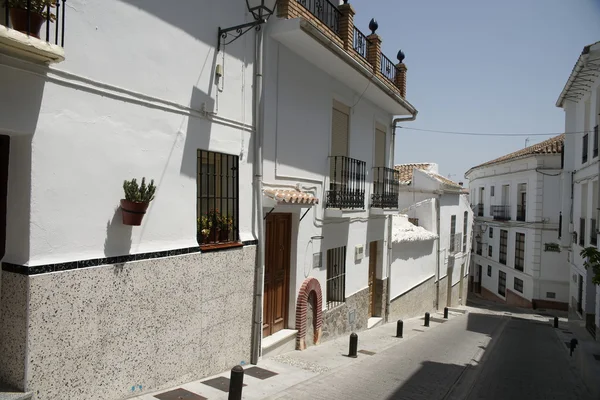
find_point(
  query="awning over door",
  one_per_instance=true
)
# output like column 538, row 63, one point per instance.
column 274, row 197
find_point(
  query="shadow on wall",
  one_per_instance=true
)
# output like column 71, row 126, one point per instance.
column 118, row 236
column 197, row 136
column 412, row 250
column 20, row 104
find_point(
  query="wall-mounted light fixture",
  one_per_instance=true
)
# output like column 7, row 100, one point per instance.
column 261, row 11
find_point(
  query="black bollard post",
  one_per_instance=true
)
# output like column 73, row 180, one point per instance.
column 236, row 383
column 573, row 345
column 426, row 319
column 445, row 312
column 399, row 328
column 556, row 322
column 353, row 345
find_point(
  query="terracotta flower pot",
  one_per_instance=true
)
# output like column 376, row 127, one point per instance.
column 18, row 19
column 224, row 235
column 133, row 212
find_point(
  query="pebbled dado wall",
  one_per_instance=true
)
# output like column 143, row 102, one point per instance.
column 113, row 331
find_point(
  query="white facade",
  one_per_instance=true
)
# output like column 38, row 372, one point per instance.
column 580, row 182
column 519, row 195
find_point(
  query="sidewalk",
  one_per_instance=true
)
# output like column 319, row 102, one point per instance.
column 274, row 375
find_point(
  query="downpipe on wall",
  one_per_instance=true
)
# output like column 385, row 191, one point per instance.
column 258, row 177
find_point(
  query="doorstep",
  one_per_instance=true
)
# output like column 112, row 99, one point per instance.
column 278, row 343
column 373, row 322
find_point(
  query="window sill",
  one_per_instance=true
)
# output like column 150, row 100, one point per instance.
column 206, row 248
column 29, row 48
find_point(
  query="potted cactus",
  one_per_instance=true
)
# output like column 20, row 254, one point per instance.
column 39, row 12
column 136, row 201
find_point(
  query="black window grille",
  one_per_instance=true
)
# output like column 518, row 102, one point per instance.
column 520, row 251
column 489, row 270
column 465, row 230
column 490, row 251
column 582, row 232
column 518, row 285
column 480, row 210
column 595, row 148
column 491, row 232
column 503, row 246
column 33, row 17
column 502, row 283
column 584, row 149
column 479, row 248
column 218, row 202
column 593, row 233
column 386, row 186
column 336, row 276
column 492, row 191
column 453, row 248
column 559, row 225
column 347, row 183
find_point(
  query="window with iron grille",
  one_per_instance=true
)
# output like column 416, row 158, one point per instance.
column 489, row 270
column 336, row 276
column 593, row 233
column 218, row 190
column 491, row 232
column 490, row 251
column 584, row 149
column 465, row 230
column 518, row 285
column 452, row 233
column 492, row 191
column 595, row 148
column 479, row 248
column 502, row 283
column 582, row 232
column 503, row 246
column 520, row 251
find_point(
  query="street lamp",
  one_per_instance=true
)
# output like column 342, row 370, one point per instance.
column 261, row 11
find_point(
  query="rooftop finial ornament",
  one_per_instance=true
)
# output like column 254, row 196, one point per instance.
column 373, row 25
column 400, row 56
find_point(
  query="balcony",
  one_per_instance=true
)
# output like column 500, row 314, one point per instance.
column 521, row 213
column 324, row 34
column 35, row 32
column 455, row 242
column 346, row 185
column 501, row 213
column 386, row 186
column 479, row 209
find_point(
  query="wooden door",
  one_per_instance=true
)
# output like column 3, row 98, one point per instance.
column 372, row 277
column 278, row 237
column 4, row 152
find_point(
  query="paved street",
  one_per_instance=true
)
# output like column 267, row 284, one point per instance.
column 524, row 360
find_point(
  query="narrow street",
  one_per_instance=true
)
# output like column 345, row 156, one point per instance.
column 482, row 355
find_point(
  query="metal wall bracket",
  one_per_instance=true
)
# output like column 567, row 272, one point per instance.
column 267, row 214
column 239, row 31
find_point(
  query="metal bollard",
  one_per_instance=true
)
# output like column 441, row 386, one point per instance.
column 556, row 322
column 573, row 345
column 399, row 328
column 426, row 319
column 236, row 383
column 445, row 312
column 353, row 345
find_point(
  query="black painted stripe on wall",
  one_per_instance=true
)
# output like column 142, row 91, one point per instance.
column 43, row 269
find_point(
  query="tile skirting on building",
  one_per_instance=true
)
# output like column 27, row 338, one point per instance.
column 57, row 267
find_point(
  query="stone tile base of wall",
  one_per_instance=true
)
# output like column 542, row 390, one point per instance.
column 352, row 316
column 552, row 305
column 415, row 302
column 94, row 333
column 455, row 299
column 380, row 297
column 443, row 293
column 512, row 299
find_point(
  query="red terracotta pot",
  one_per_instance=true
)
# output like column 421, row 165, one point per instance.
column 18, row 19
column 133, row 212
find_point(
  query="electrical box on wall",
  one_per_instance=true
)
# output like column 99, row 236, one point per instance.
column 317, row 260
column 359, row 252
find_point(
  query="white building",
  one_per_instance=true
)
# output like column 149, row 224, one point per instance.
column 580, row 100
column 438, row 205
column 91, row 308
column 516, row 199
column 329, row 103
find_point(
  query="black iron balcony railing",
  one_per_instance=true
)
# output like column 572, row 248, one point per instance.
column 479, row 208
column 28, row 17
column 347, row 183
column 361, row 43
column 388, row 68
column 455, row 241
column 479, row 250
column 501, row 213
column 325, row 11
column 521, row 213
column 386, row 186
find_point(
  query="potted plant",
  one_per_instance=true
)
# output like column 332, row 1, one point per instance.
column 205, row 225
column 39, row 12
column 136, row 201
column 225, row 225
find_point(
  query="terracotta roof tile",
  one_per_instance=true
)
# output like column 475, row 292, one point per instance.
column 406, row 171
column 291, row 196
column 551, row 146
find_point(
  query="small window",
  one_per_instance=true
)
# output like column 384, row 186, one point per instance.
column 502, row 283
column 491, row 232
column 550, row 295
column 595, row 148
column 503, row 246
column 518, row 285
column 336, row 276
column 218, row 189
column 492, row 191
column 490, row 251
column 584, row 149
column 582, row 232
column 465, row 230
column 489, row 270
column 520, row 251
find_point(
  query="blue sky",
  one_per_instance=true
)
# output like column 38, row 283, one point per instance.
column 481, row 66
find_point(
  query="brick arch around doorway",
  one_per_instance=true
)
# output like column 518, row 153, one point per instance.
column 309, row 286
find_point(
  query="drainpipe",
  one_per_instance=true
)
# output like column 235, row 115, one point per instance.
column 437, row 252
column 395, row 122
column 259, row 270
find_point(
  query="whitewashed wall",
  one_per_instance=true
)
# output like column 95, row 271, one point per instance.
column 122, row 105
column 412, row 264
